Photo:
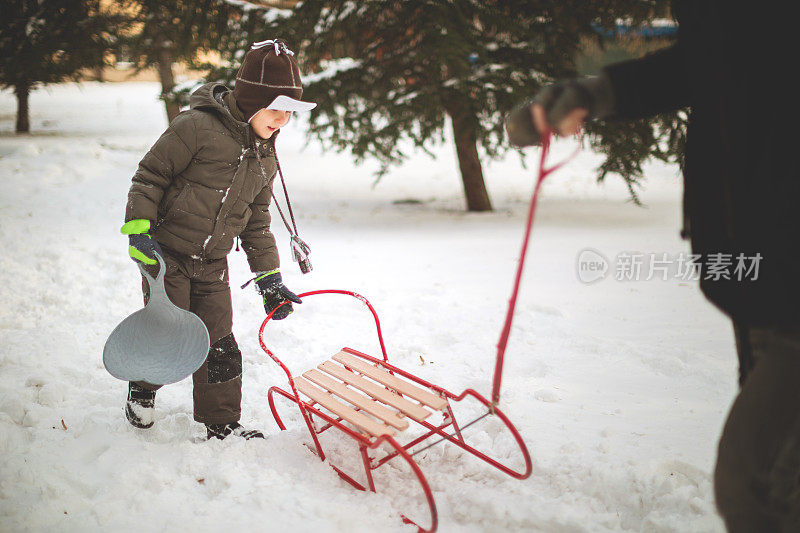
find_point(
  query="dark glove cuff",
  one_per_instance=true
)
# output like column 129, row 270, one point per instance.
column 267, row 281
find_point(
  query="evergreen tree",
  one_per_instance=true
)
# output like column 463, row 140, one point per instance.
column 628, row 145
column 248, row 24
column 184, row 31
column 391, row 72
column 48, row 41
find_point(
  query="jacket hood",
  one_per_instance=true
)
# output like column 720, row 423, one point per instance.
column 209, row 97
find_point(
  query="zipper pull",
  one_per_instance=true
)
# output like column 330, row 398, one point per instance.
column 237, row 243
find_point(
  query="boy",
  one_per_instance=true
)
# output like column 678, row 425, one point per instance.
column 205, row 182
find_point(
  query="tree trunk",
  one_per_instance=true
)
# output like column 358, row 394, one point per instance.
column 464, row 127
column 165, row 61
column 22, row 91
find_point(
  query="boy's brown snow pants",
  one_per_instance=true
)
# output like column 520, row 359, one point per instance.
column 201, row 286
column 757, row 478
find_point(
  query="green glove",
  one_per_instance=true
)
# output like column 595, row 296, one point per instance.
column 142, row 247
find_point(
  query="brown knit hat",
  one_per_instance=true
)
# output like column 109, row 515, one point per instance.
column 269, row 78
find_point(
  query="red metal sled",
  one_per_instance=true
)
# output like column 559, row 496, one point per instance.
column 373, row 402
column 370, row 400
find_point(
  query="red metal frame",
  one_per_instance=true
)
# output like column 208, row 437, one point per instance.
column 403, row 451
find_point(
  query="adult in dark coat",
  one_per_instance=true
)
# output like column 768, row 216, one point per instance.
column 732, row 66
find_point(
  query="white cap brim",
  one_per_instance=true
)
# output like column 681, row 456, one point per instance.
column 284, row 103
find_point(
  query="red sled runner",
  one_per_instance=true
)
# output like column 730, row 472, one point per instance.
column 373, row 402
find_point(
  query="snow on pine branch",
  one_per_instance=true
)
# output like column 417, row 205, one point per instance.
column 331, row 68
column 271, row 14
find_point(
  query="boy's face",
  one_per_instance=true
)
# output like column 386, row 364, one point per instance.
column 268, row 121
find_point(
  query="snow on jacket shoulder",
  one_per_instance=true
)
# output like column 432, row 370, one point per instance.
column 201, row 185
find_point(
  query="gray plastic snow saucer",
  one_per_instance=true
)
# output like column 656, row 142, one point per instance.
column 159, row 344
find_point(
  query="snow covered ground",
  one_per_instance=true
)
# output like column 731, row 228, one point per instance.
column 619, row 388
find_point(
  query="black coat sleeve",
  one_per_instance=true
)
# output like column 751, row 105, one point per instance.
column 653, row 84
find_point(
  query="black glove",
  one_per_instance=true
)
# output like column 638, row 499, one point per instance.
column 271, row 287
column 141, row 245
column 558, row 100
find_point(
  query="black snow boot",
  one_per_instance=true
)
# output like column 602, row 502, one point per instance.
column 220, row 431
column 140, row 407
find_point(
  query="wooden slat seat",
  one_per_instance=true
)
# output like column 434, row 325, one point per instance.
column 360, row 420
column 411, row 409
column 362, row 391
column 403, row 387
column 379, row 410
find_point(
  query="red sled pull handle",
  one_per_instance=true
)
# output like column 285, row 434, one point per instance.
column 512, row 303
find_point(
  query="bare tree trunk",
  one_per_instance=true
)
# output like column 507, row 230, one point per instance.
column 22, row 91
column 464, row 127
column 165, row 61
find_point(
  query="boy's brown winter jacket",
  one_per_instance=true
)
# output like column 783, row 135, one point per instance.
column 201, row 186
